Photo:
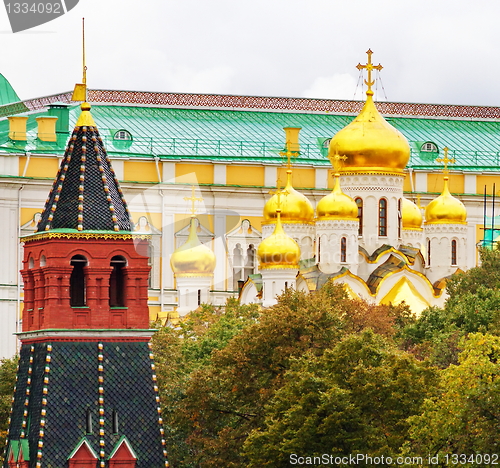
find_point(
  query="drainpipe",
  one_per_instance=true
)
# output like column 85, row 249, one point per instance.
column 410, row 173
column 19, row 259
column 28, row 156
column 162, row 237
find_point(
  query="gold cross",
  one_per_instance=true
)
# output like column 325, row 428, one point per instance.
column 445, row 160
column 288, row 155
column 338, row 161
column 278, row 192
column 369, row 67
column 418, row 201
column 193, row 199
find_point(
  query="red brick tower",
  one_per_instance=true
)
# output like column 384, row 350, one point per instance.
column 86, row 392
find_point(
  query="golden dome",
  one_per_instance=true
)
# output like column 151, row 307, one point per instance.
column 412, row 217
column 295, row 208
column 370, row 143
column 445, row 209
column 278, row 250
column 337, row 205
column 193, row 258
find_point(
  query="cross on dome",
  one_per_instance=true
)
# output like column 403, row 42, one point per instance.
column 278, row 192
column 369, row 67
column 193, row 200
column 445, row 160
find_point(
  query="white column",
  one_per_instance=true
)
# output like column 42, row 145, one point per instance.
column 220, row 252
column 420, row 181
column 270, row 176
column 220, row 174
column 321, row 178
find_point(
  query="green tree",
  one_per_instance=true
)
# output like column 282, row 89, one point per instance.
column 182, row 350
column 355, row 398
column 465, row 416
column 225, row 400
column 8, row 370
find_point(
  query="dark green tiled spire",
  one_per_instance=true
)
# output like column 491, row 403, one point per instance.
column 86, row 194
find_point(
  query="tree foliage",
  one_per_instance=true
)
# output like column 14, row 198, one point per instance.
column 8, row 369
column 355, row 398
column 223, row 394
column 465, row 416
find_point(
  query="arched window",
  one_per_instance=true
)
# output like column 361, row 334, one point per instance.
column 115, row 421
column 428, row 252
column 343, row 250
column 453, row 252
column 359, row 202
column 382, row 217
column 249, row 262
column 88, row 421
column 400, row 219
column 116, row 282
column 77, row 294
column 237, row 266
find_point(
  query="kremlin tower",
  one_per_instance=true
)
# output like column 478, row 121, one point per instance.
column 86, row 392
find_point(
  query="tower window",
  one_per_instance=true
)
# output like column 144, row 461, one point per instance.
column 428, row 252
column 453, row 252
column 359, row 202
column 88, row 421
column 77, row 281
column 400, row 219
column 115, row 421
column 382, row 217
column 343, row 250
column 116, row 282
column 319, row 249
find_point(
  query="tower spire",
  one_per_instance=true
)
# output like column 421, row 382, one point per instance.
column 369, row 68
column 80, row 91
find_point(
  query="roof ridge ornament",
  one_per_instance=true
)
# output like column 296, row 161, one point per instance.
column 369, row 67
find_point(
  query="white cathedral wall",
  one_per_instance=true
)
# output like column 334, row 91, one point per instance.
column 441, row 237
column 328, row 245
column 371, row 188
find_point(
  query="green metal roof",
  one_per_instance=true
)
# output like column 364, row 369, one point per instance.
column 258, row 136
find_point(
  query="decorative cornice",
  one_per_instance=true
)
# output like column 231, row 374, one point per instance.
column 125, row 235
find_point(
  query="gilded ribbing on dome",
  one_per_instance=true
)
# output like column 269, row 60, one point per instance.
column 86, row 194
column 193, row 258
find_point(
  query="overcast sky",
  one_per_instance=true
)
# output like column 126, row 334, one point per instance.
column 432, row 51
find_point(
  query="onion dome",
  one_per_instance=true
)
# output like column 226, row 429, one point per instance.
column 445, row 209
column 337, row 205
column 295, row 208
column 193, row 258
column 370, row 143
column 86, row 194
column 412, row 217
column 278, row 250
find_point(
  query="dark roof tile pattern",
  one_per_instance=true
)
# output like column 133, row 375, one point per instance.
column 73, row 388
column 86, row 194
